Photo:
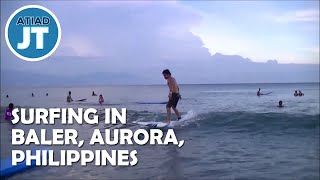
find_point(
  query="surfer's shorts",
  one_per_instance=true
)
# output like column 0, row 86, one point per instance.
column 173, row 101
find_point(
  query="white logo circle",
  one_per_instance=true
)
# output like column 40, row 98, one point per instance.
column 37, row 58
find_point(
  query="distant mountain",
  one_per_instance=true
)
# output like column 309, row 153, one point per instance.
column 223, row 69
column 219, row 68
column 234, row 59
column 272, row 62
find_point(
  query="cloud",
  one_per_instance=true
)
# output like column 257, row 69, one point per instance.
column 307, row 15
column 225, row 44
column 77, row 45
column 119, row 38
column 312, row 50
column 311, row 53
column 130, row 4
column 160, row 30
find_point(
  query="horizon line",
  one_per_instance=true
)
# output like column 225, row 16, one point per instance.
column 100, row 85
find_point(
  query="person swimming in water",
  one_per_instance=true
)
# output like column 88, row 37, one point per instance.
column 32, row 95
column 7, row 96
column 8, row 113
column 295, row 93
column 93, row 94
column 280, row 104
column 69, row 99
column 300, row 93
column 101, row 100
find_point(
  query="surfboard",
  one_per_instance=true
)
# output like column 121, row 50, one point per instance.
column 267, row 93
column 81, row 100
column 7, row 169
column 155, row 124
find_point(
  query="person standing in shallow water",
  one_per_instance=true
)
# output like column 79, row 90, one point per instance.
column 69, row 99
column 173, row 96
column 8, row 113
column 259, row 93
column 101, row 100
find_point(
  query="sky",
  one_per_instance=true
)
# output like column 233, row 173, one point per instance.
column 287, row 31
column 145, row 36
column 284, row 30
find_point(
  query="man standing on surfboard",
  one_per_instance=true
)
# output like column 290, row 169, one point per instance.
column 174, row 95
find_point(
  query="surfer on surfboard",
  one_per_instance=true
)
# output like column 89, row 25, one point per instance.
column 173, row 96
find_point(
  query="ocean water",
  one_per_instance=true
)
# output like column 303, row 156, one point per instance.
column 230, row 133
